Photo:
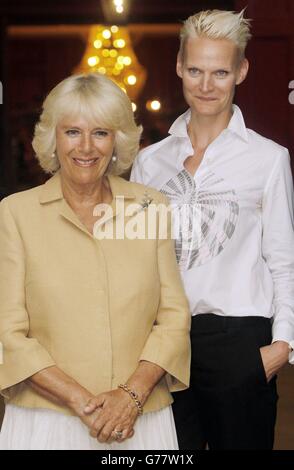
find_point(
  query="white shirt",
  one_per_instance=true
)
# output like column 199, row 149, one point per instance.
column 238, row 258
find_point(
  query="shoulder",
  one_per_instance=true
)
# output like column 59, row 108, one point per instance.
column 154, row 149
column 267, row 145
column 23, row 198
column 273, row 159
column 152, row 160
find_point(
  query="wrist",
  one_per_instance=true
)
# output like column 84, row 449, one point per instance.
column 142, row 391
column 282, row 350
column 283, row 346
column 78, row 399
column 136, row 400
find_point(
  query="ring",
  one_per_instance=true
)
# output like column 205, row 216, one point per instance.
column 118, row 434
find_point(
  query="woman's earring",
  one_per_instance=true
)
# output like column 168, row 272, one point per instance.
column 114, row 158
column 53, row 155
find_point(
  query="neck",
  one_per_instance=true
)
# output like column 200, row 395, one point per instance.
column 203, row 130
column 86, row 195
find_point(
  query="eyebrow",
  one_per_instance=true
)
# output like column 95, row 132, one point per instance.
column 66, row 126
column 225, row 69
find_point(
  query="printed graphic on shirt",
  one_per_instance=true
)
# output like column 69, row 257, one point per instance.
column 204, row 217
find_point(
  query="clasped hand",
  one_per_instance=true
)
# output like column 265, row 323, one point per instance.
column 109, row 413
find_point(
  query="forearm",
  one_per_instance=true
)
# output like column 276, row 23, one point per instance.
column 53, row 384
column 144, row 379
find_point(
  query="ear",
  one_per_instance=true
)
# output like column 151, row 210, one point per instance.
column 243, row 71
column 179, row 67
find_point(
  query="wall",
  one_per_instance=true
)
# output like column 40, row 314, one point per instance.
column 264, row 97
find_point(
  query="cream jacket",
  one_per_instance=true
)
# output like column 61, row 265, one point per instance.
column 94, row 308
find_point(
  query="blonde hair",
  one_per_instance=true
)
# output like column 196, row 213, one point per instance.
column 217, row 24
column 98, row 99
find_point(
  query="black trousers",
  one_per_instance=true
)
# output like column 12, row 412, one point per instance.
column 229, row 404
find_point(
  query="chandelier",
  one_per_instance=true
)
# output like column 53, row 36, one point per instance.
column 109, row 51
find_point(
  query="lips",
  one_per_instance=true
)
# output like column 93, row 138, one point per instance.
column 203, row 98
column 82, row 162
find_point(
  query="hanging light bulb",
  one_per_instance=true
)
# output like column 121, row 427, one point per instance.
column 119, row 43
column 131, row 79
column 153, row 105
column 97, row 44
column 92, row 61
column 127, row 60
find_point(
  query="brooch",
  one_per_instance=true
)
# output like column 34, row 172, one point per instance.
column 146, row 201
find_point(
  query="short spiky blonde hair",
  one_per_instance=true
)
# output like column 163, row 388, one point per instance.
column 217, row 24
column 98, row 99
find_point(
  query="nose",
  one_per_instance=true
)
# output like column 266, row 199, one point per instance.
column 86, row 144
column 206, row 83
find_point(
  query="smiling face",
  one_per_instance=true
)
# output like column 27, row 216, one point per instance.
column 210, row 70
column 84, row 150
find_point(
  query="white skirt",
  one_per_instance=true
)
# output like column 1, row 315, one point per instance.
column 43, row 429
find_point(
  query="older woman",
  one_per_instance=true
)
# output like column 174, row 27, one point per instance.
column 94, row 329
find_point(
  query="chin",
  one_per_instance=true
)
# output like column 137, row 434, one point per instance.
column 87, row 177
column 206, row 111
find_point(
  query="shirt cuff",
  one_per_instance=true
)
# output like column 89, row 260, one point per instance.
column 283, row 325
column 291, row 355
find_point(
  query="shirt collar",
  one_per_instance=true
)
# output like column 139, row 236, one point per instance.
column 52, row 190
column 236, row 125
column 179, row 127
